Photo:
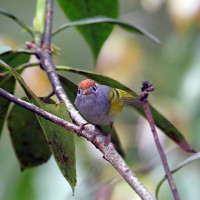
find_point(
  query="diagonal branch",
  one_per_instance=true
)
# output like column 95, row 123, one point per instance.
column 39, row 111
column 109, row 151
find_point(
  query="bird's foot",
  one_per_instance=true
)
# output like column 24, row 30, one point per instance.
column 81, row 129
column 108, row 139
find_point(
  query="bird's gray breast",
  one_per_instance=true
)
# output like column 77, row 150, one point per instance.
column 95, row 106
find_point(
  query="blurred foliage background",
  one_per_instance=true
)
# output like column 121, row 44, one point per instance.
column 173, row 68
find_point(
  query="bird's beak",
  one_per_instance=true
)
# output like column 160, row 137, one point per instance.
column 86, row 92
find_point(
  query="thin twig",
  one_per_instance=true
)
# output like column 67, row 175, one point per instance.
column 108, row 151
column 144, row 99
column 49, row 96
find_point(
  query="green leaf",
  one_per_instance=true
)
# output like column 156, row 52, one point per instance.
column 182, row 164
column 14, row 60
column 27, row 136
column 95, row 35
column 165, row 125
column 27, row 90
column 71, row 90
column 7, row 83
column 100, row 19
column 61, row 140
column 5, row 49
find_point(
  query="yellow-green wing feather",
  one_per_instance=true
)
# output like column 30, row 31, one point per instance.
column 118, row 99
column 116, row 105
column 128, row 99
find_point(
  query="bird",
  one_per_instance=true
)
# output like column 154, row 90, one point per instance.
column 101, row 104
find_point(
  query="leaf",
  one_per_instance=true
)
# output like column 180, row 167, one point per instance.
column 61, row 142
column 165, row 125
column 100, row 19
column 27, row 90
column 8, row 84
column 95, row 35
column 60, row 139
column 14, row 60
column 182, row 164
column 71, row 90
column 27, row 136
column 5, row 49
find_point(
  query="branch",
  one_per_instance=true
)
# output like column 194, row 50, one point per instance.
column 91, row 133
column 96, row 137
column 39, row 111
column 144, row 99
column 47, row 64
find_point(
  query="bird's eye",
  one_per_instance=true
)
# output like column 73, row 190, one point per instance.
column 94, row 88
column 79, row 91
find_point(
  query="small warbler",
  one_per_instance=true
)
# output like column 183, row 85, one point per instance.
column 101, row 104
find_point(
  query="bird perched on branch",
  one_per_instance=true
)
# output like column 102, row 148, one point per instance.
column 101, row 104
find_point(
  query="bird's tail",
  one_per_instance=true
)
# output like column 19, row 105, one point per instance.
column 128, row 99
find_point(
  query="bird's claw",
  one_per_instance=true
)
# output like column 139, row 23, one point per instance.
column 108, row 139
column 81, row 129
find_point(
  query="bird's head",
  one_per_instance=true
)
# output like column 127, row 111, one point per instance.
column 87, row 87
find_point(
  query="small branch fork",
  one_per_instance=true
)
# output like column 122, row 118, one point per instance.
column 147, row 87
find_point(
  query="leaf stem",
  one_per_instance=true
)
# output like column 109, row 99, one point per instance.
column 23, row 66
column 39, row 20
column 25, row 51
column 26, row 65
column 18, row 21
